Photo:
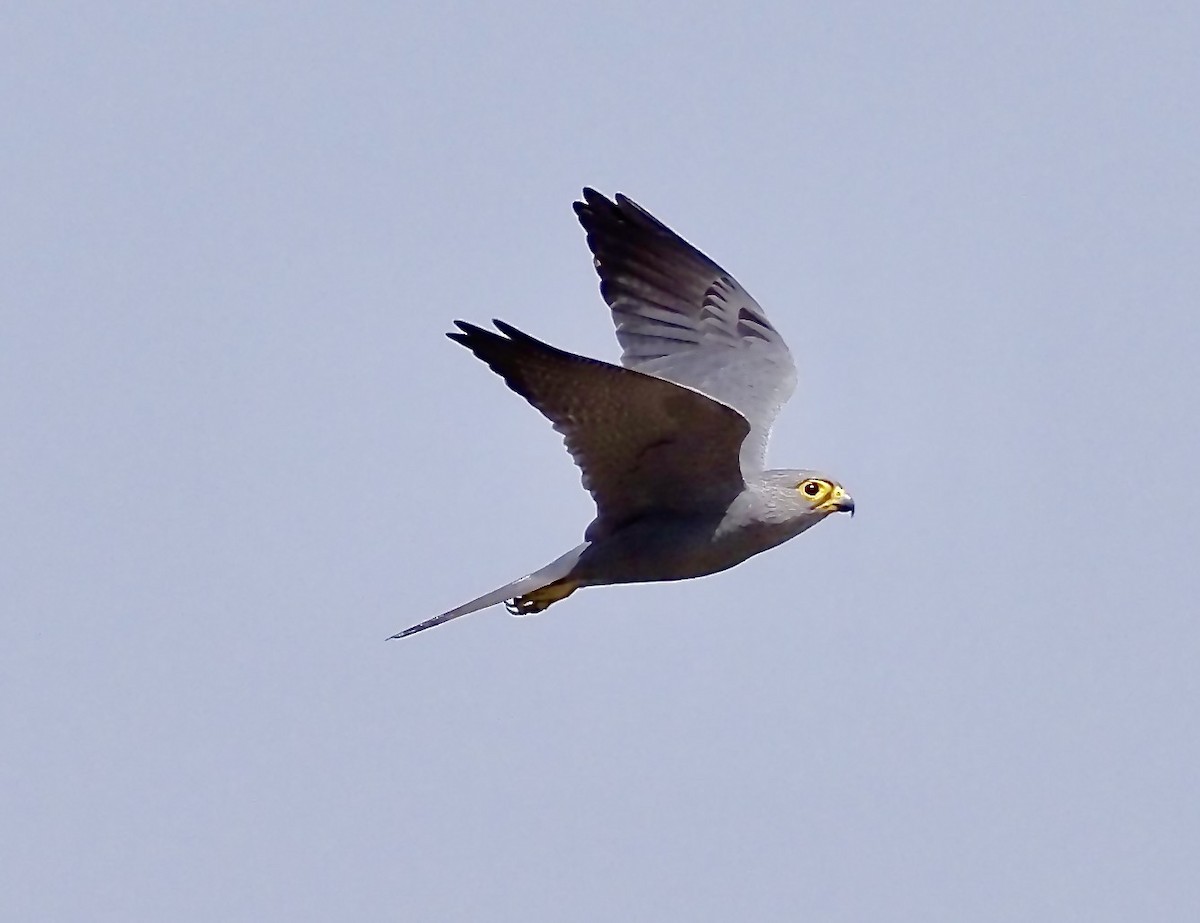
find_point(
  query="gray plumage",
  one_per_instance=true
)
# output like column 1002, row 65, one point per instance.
column 672, row 443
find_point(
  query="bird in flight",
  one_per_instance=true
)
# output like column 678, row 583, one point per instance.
column 672, row 442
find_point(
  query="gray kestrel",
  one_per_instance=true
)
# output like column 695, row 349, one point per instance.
column 672, row 442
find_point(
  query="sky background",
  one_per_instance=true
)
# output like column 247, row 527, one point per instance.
column 238, row 454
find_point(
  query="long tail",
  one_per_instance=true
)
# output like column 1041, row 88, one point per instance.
column 554, row 571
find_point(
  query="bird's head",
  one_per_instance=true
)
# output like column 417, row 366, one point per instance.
column 803, row 494
column 823, row 494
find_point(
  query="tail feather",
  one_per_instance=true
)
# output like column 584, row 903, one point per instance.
column 555, row 570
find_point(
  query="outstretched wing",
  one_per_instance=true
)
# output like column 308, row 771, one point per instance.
column 643, row 443
column 681, row 317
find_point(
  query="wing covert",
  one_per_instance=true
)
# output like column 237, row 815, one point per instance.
column 642, row 443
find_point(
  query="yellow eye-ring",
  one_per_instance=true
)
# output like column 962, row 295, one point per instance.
column 814, row 488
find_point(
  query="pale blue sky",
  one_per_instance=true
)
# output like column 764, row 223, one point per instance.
column 239, row 454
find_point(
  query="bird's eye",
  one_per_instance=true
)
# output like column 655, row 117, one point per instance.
column 811, row 488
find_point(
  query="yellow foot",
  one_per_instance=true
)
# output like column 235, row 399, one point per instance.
column 541, row 599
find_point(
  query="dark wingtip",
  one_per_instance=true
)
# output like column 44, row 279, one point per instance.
column 509, row 330
column 584, row 209
column 473, row 331
column 618, row 216
column 469, row 332
column 594, row 205
column 484, row 343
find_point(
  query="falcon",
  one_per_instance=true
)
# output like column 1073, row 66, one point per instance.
column 672, row 442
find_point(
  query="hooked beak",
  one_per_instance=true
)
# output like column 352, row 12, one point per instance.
column 838, row 502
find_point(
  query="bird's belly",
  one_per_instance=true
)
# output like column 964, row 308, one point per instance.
column 667, row 549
